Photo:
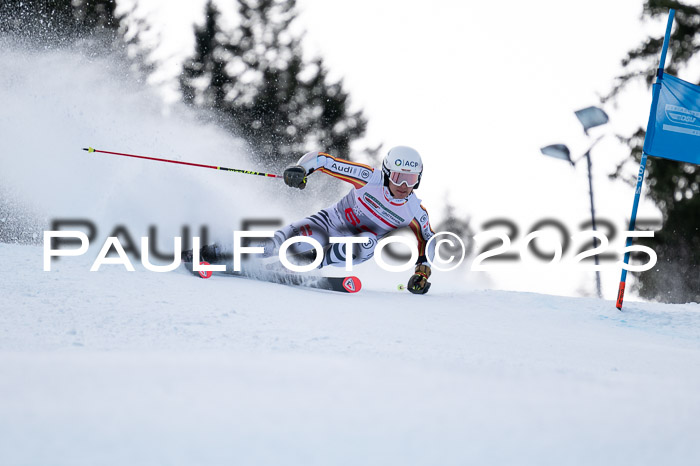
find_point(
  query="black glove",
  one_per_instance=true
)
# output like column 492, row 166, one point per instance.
column 418, row 283
column 295, row 176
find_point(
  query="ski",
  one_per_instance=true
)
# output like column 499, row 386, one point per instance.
column 348, row 284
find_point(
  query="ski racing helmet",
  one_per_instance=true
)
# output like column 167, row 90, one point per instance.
column 402, row 165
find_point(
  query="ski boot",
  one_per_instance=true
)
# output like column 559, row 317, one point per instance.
column 211, row 253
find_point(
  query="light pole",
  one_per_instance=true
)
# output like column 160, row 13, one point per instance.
column 589, row 117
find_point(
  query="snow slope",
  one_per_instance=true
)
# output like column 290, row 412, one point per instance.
column 113, row 367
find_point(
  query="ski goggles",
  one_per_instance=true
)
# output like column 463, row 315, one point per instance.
column 409, row 179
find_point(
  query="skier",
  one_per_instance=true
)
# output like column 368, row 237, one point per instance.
column 380, row 202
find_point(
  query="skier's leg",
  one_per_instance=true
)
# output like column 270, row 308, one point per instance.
column 336, row 254
column 318, row 226
column 212, row 253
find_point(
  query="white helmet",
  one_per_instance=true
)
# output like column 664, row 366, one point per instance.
column 402, row 165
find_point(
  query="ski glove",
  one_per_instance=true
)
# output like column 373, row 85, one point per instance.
column 418, row 283
column 295, row 176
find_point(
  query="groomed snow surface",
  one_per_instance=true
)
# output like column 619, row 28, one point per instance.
column 120, row 368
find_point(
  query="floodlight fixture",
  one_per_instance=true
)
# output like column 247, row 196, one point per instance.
column 590, row 117
column 558, row 151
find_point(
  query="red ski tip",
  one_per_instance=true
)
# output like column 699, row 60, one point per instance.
column 352, row 284
column 204, row 273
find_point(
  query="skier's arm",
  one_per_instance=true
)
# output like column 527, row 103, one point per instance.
column 356, row 174
column 420, row 225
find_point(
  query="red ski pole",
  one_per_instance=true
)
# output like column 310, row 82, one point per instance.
column 247, row 172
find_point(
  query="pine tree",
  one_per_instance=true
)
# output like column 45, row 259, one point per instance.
column 255, row 77
column 674, row 186
column 56, row 20
column 204, row 82
column 97, row 14
column 38, row 19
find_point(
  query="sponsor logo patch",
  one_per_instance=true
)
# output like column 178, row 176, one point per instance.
column 382, row 210
column 405, row 163
column 340, row 168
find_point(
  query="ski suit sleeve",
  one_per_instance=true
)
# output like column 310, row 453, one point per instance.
column 356, row 174
column 420, row 225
